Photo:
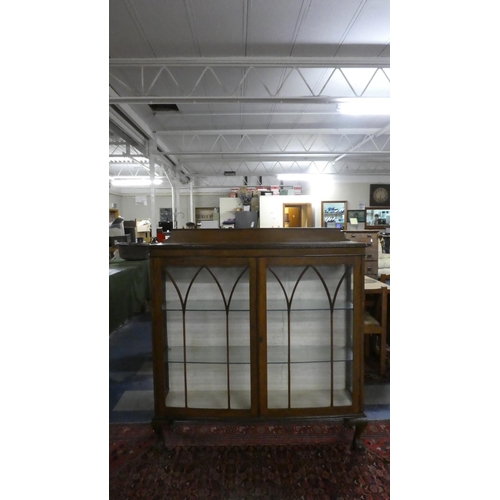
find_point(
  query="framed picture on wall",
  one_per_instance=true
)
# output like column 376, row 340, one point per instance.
column 165, row 214
column 356, row 214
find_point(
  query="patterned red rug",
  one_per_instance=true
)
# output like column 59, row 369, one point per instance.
column 299, row 460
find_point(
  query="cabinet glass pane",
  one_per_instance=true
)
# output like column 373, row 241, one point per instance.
column 378, row 217
column 207, row 337
column 309, row 336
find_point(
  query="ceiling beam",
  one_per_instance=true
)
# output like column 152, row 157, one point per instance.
column 233, row 99
column 267, row 131
column 202, row 156
column 246, row 113
column 263, row 62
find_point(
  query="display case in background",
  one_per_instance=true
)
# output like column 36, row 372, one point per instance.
column 206, row 214
column 333, row 214
column 378, row 217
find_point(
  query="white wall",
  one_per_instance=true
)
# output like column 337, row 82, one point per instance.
column 354, row 193
column 271, row 209
column 130, row 209
column 113, row 198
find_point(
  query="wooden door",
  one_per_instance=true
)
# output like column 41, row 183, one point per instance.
column 294, row 217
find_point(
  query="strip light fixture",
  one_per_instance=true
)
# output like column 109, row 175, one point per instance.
column 135, row 182
column 365, row 106
column 301, row 177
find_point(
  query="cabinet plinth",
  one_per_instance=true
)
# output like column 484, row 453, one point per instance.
column 257, row 323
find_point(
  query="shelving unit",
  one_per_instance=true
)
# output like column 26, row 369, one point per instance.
column 334, row 213
column 113, row 214
column 252, row 323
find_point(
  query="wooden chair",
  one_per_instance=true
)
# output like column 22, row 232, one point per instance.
column 375, row 323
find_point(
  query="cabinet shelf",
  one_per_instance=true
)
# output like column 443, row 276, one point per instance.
column 215, row 399
column 275, row 354
column 278, row 399
column 240, row 400
column 307, row 354
column 243, row 305
column 209, row 354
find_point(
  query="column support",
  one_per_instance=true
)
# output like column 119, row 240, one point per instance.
column 152, row 146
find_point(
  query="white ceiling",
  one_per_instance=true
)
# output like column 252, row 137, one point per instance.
column 257, row 85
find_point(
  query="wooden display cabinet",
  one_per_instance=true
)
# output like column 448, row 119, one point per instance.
column 203, row 214
column 259, row 323
column 378, row 217
column 333, row 214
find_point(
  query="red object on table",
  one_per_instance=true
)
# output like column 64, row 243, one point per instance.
column 160, row 235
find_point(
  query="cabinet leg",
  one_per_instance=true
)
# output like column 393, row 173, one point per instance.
column 157, row 424
column 359, row 426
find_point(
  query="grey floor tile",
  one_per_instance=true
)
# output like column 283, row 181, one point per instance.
column 135, row 401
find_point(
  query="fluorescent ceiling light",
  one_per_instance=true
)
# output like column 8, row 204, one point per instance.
column 293, row 177
column 134, row 182
column 299, row 177
column 365, row 106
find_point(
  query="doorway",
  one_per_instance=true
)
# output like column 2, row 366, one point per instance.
column 297, row 215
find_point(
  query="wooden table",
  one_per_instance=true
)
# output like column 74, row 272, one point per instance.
column 373, row 284
column 373, row 304
column 129, row 290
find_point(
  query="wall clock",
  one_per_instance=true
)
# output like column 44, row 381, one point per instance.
column 380, row 195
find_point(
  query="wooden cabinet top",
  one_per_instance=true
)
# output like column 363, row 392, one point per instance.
column 362, row 231
column 256, row 239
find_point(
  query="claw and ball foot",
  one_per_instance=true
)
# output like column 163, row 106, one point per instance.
column 359, row 426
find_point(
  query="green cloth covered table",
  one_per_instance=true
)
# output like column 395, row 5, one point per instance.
column 129, row 290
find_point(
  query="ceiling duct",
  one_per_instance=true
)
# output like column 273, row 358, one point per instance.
column 164, row 108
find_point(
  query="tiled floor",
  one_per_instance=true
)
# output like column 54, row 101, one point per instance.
column 131, row 379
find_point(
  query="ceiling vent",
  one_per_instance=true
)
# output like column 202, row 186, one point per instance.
column 229, row 172
column 164, row 108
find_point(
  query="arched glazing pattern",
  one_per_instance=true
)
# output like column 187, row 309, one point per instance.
column 309, row 336
column 207, row 337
